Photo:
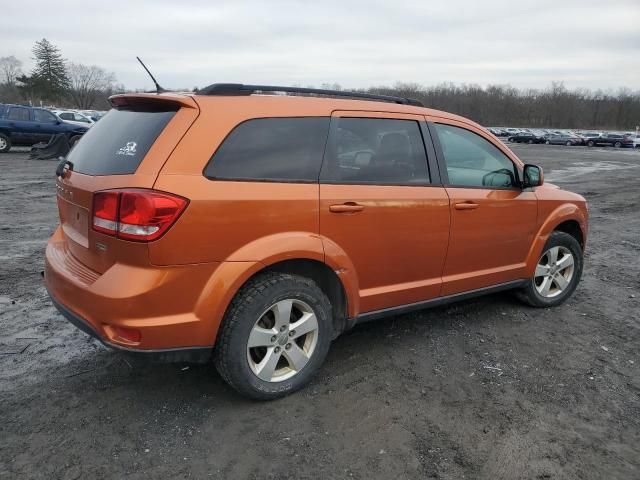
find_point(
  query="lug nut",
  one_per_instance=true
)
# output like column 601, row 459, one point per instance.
column 292, row 333
column 273, row 339
column 288, row 346
column 277, row 349
column 283, row 328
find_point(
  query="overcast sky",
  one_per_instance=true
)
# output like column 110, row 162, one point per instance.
column 585, row 43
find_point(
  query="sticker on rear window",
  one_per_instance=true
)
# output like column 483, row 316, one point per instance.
column 128, row 149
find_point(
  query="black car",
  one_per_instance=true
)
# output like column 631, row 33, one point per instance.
column 562, row 139
column 526, row 137
column 611, row 139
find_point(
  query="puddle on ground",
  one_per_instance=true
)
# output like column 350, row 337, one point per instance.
column 582, row 168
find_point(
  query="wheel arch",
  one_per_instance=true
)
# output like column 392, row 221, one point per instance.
column 566, row 218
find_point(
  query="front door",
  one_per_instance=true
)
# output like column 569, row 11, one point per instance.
column 379, row 206
column 493, row 220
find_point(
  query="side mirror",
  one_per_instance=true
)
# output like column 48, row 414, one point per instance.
column 532, row 176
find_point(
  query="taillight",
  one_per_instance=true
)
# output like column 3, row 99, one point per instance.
column 132, row 214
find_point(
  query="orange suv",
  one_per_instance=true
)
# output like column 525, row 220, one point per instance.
column 253, row 228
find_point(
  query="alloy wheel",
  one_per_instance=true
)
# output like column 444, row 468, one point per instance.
column 3, row 143
column 282, row 341
column 554, row 272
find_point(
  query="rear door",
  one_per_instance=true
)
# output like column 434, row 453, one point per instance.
column 493, row 220
column 127, row 149
column 382, row 206
column 20, row 125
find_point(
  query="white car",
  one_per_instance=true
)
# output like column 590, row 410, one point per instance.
column 636, row 140
column 74, row 118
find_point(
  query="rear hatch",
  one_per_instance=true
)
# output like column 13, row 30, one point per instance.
column 124, row 150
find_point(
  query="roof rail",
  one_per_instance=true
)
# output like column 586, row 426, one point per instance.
column 239, row 89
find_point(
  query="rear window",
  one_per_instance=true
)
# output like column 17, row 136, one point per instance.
column 117, row 144
column 272, row 149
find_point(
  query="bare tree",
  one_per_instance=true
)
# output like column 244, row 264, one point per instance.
column 10, row 70
column 88, row 83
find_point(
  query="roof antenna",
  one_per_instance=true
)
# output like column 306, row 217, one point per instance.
column 159, row 89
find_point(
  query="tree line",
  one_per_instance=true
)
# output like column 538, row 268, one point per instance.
column 55, row 81
column 553, row 107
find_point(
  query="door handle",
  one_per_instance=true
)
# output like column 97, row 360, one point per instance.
column 466, row 206
column 348, row 207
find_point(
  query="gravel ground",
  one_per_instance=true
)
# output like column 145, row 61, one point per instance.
column 487, row 388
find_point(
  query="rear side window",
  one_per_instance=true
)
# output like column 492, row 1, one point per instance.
column 20, row 114
column 117, row 144
column 376, row 151
column 272, row 149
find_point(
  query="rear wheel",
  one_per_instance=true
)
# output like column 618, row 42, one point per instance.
column 617, row 144
column 5, row 143
column 568, row 144
column 548, row 142
column 530, row 142
column 590, row 143
column 274, row 337
column 557, row 272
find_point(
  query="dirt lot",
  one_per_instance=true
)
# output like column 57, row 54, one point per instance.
column 483, row 389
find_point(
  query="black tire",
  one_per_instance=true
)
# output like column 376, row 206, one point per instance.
column 617, row 145
column 530, row 295
column 590, row 143
column 248, row 306
column 74, row 139
column 5, row 143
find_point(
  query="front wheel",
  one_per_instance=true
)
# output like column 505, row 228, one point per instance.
column 568, row 144
column 547, row 142
column 557, row 272
column 590, row 143
column 274, row 336
column 73, row 140
column 617, row 145
column 5, row 143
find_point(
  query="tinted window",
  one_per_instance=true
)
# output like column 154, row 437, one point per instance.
column 66, row 116
column 473, row 161
column 117, row 144
column 20, row 114
column 376, row 151
column 275, row 149
column 44, row 116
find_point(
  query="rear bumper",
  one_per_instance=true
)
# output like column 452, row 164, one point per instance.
column 160, row 302
column 188, row 354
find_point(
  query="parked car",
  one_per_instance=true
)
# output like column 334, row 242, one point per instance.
column 616, row 140
column 512, row 131
column 218, row 224
column 526, row 137
column 23, row 125
column 636, row 140
column 562, row 139
column 74, row 118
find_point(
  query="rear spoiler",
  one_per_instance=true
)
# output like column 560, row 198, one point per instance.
column 139, row 99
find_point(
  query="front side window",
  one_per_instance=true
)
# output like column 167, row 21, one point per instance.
column 43, row 116
column 376, row 151
column 20, row 114
column 272, row 149
column 473, row 161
